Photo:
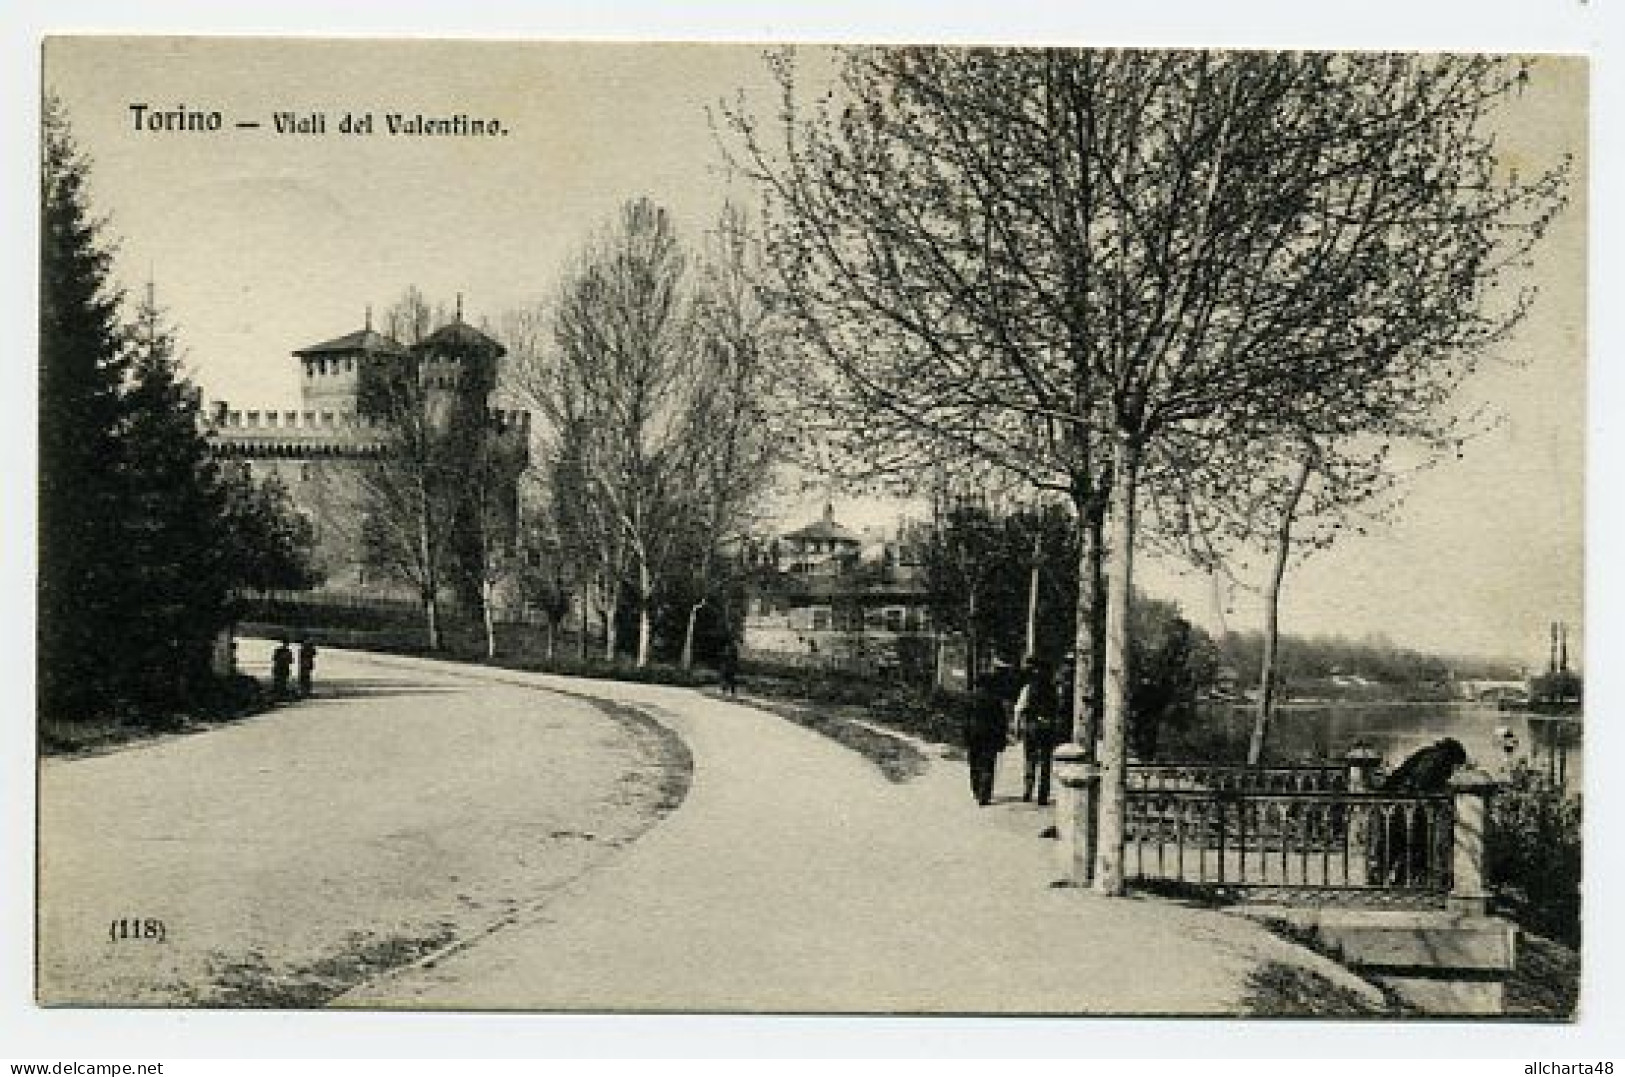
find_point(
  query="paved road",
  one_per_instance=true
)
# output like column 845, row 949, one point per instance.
column 290, row 854
column 795, row 878
column 484, row 819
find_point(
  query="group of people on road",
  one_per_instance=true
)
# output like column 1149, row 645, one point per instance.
column 282, row 662
column 1026, row 706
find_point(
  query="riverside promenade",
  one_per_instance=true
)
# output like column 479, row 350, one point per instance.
column 437, row 836
column 795, row 878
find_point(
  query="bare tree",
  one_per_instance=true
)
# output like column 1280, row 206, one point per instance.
column 407, row 493
column 616, row 385
column 488, row 551
column 729, row 443
column 1059, row 260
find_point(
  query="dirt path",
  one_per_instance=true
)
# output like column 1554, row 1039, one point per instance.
column 796, row 878
column 297, row 854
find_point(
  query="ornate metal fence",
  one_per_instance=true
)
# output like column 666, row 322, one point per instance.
column 1274, row 833
column 1315, row 778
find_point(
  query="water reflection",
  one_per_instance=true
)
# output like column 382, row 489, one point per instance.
column 1327, row 731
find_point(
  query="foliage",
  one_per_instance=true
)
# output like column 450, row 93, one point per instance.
column 1308, row 663
column 1533, row 853
column 1174, row 663
column 141, row 538
column 648, row 370
column 272, row 545
column 174, row 523
column 84, row 597
column 979, row 562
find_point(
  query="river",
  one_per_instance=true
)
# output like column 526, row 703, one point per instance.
column 1329, row 730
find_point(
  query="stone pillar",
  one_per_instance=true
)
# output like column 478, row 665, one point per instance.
column 1362, row 762
column 1077, row 809
column 1469, row 894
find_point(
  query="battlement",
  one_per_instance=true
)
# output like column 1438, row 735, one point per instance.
column 293, row 433
column 327, row 424
column 293, row 421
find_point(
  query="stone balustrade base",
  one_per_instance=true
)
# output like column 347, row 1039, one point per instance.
column 1440, row 962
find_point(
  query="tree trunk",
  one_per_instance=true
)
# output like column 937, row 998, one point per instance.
column 688, row 633
column 488, row 615
column 586, row 624
column 1031, row 649
column 607, row 611
column 1109, row 877
column 970, row 643
column 645, row 621
column 1272, row 618
column 431, row 619
column 1089, row 638
column 429, row 567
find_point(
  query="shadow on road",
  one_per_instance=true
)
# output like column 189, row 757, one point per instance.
column 367, row 688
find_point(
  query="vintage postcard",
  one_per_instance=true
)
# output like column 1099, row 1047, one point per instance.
column 764, row 529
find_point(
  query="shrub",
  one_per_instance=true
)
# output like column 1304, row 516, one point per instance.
column 1533, row 854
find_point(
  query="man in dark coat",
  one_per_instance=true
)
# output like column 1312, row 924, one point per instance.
column 728, row 667
column 1428, row 770
column 986, row 732
column 307, row 665
column 1411, row 834
column 1038, row 724
column 281, row 667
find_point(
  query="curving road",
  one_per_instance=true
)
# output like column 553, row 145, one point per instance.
column 794, row 878
column 439, row 836
column 291, row 855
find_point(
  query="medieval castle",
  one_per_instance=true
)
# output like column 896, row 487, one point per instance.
column 321, row 453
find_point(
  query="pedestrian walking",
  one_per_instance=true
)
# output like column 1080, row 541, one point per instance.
column 307, row 665
column 728, row 667
column 1038, row 726
column 281, row 668
column 986, row 732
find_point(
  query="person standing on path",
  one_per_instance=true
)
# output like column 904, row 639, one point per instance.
column 1038, row 725
column 728, row 667
column 986, row 732
column 307, row 665
column 281, row 667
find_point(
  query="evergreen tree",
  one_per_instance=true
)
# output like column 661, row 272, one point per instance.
column 174, row 522
column 82, row 592
column 270, row 545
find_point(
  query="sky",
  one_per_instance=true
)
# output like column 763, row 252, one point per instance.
column 260, row 243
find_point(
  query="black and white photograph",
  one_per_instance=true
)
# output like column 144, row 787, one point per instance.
column 841, row 529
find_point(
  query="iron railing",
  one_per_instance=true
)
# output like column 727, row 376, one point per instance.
column 1242, row 838
column 1310, row 778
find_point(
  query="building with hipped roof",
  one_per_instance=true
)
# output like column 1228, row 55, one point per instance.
column 824, row 596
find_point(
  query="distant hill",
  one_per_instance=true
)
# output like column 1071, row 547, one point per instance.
column 1342, row 668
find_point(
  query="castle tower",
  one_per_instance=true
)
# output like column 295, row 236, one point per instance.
column 335, row 369
column 457, row 365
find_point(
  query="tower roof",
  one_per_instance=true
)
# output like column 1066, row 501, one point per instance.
column 362, row 341
column 459, row 336
column 826, row 529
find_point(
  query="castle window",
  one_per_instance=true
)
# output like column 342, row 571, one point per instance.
column 304, row 472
